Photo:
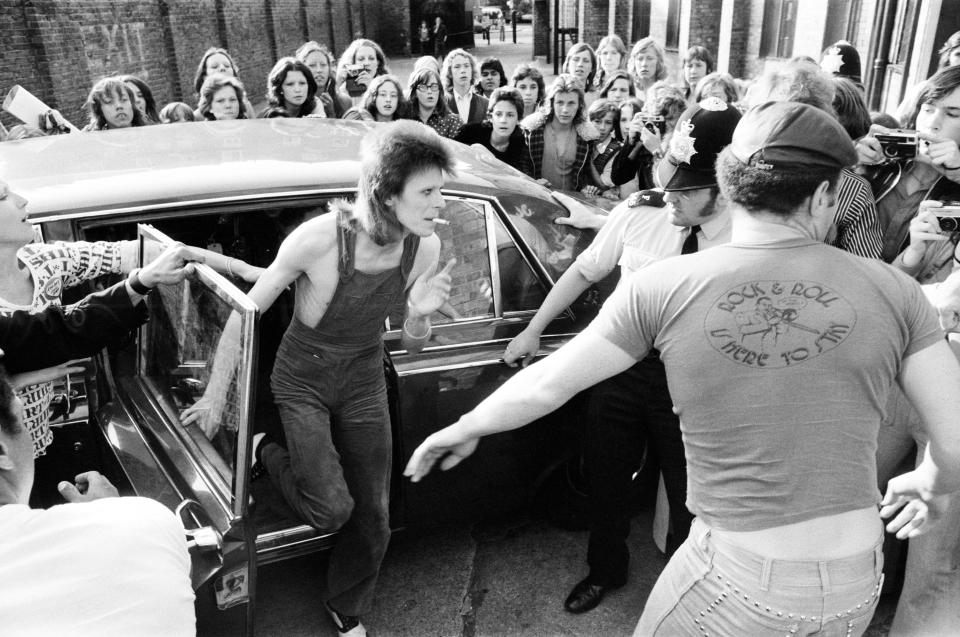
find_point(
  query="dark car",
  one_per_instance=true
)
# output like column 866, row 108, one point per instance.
column 240, row 187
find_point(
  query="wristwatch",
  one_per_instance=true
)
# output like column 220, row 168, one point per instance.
column 136, row 284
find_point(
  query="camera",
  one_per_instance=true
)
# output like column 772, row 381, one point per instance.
column 948, row 216
column 899, row 144
column 653, row 123
column 354, row 88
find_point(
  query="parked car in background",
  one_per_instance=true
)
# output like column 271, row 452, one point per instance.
column 491, row 13
column 240, row 187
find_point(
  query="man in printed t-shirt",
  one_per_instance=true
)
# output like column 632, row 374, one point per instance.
column 780, row 353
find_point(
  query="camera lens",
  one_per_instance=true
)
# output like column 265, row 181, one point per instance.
column 949, row 224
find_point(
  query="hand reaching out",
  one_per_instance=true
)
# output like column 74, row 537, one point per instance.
column 918, row 508
column 172, row 266
column 523, row 348
column 430, row 291
column 205, row 413
column 19, row 381
column 89, row 486
column 448, row 444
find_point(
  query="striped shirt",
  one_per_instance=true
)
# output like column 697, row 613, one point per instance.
column 858, row 226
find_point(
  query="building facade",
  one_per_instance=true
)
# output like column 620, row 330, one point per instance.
column 898, row 40
column 57, row 49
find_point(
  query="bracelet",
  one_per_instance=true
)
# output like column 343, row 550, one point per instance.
column 948, row 168
column 136, row 284
column 230, row 268
column 418, row 337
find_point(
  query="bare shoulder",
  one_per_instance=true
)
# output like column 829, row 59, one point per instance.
column 311, row 239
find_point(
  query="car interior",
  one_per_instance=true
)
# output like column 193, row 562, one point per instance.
column 174, row 352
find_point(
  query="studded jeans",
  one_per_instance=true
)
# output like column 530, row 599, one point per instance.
column 711, row 587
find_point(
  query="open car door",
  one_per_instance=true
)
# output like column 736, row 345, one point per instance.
column 177, row 350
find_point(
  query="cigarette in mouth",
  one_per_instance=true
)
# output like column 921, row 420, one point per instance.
column 441, row 221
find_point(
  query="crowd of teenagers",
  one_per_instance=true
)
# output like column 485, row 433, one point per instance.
column 605, row 144
column 780, row 515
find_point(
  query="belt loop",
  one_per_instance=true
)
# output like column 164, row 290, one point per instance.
column 824, row 578
column 705, row 538
column 765, row 572
column 878, row 559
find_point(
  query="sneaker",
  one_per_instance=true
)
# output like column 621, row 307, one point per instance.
column 348, row 625
column 257, row 469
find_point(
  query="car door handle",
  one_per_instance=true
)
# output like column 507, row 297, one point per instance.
column 205, row 538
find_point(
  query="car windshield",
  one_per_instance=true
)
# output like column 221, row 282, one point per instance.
column 555, row 246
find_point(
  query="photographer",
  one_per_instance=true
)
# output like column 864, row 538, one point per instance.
column 930, row 255
column 900, row 182
column 646, row 137
column 360, row 63
column 911, row 179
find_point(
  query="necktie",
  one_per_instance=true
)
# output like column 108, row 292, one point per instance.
column 690, row 243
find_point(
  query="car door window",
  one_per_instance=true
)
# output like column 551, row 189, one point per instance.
column 492, row 275
column 177, row 351
column 520, row 288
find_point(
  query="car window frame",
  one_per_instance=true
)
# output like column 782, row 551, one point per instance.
column 492, row 214
column 237, row 502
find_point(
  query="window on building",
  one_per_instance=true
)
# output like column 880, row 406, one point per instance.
column 673, row 25
column 779, row 28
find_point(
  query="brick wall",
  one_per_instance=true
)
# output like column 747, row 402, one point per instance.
column 752, row 64
column 57, row 49
column 542, row 35
column 594, row 20
column 740, row 38
column 705, row 24
column 623, row 20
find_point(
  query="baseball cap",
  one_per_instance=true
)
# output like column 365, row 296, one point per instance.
column 842, row 60
column 701, row 133
column 788, row 135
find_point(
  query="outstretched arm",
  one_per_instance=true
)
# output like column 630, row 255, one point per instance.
column 298, row 250
column 33, row 341
column 530, row 394
column 930, row 378
column 526, row 344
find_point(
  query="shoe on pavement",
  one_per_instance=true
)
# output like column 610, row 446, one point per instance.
column 347, row 625
column 586, row 595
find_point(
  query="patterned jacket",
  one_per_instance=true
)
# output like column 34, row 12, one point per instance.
column 53, row 267
column 533, row 127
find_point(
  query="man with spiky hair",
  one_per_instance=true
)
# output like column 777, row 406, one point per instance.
column 351, row 267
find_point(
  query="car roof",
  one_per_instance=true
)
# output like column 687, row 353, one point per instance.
column 190, row 162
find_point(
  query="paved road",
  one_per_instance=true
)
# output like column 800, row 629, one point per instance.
column 505, row 578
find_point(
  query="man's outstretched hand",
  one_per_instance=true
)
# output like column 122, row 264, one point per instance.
column 89, row 486
column 449, row 444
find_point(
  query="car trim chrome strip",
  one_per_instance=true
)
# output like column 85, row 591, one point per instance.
column 479, row 363
column 215, row 201
column 494, row 261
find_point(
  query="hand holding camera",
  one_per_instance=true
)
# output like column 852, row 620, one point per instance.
column 935, row 220
column 650, row 128
column 358, row 78
column 899, row 144
column 884, row 145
